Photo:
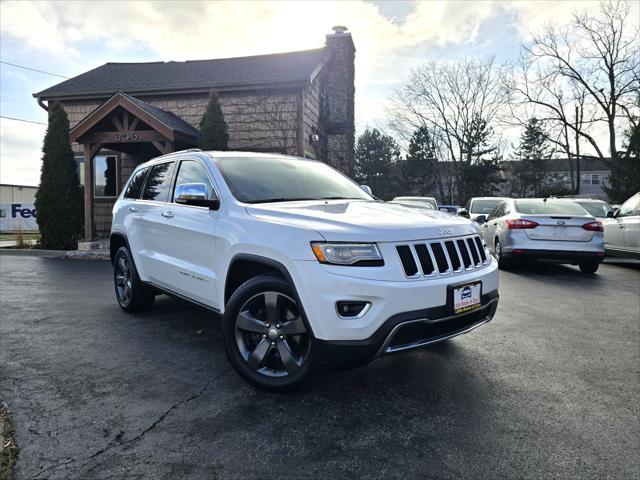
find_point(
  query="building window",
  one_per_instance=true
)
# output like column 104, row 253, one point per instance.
column 3, row 213
column 105, row 175
column 595, row 179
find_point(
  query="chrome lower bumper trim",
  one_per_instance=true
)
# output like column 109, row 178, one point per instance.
column 386, row 348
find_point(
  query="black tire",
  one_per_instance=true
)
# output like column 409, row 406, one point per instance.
column 503, row 263
column 132, row 294
column 589, row 267
column 278, row 357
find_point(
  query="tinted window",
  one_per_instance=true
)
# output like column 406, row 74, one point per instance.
column 264, row 179
column 540, row 207
column 597, row 209
column 498, row 211
column 135, row 184
column 158, row 182
column 193, row 172
column 484, row 206
column 630, row 207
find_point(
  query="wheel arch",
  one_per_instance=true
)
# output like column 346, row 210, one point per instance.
column 243, row 267
column 117, row 240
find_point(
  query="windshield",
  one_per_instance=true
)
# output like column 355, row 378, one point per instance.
column 597, row 209
column 549, row 207
column 485, row 206
column 280, row 179
column 419, row 202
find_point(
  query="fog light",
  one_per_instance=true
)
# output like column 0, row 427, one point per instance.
column 350, row 309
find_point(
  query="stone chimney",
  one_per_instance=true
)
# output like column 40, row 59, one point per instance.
column 340, row 94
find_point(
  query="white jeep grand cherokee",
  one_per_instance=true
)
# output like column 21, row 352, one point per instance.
column 305, row 266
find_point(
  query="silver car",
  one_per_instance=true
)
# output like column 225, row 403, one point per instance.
column 622, row 230
column 480, row 207
column 427, row 202
column 544, row 229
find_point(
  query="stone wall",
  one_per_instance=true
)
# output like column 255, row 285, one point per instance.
column 314, row 122
column 339, row 76
column 256, row 121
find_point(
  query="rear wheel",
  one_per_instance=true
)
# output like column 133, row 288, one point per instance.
column 266, row 336
column 502, row 261
column 132, row 294
column 589, row 267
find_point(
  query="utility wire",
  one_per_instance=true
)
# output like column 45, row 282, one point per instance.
column 22, row 120
column 33, row 69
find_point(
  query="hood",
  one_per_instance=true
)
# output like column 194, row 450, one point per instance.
column 364, row 221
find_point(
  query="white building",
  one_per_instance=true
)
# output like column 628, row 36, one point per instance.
column 17, row 209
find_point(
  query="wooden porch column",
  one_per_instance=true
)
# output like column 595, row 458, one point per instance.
column 88, row 193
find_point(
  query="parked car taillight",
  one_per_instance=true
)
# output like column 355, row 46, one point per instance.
column 593, row 227
column 519, row 224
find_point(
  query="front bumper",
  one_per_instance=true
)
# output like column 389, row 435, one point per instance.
column 407, row 331
column 319, row 288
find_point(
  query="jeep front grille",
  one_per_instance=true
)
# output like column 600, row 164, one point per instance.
column 442, row 257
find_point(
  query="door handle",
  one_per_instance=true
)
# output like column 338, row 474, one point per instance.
column 133, row 209
column 495, row 223
column 167, row 214
column 620, row 225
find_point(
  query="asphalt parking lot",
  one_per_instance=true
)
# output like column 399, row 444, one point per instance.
column 550, row 388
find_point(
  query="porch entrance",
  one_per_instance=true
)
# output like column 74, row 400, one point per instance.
column 134, row 128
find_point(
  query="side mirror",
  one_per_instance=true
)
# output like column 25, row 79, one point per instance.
column 612, row 213
column 480, row 219
column 367, row 189
column 195, row 194
column 463, row 212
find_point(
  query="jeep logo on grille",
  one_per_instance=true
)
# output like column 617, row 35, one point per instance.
column 445, row 231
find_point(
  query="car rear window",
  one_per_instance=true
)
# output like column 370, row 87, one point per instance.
column 548, row 207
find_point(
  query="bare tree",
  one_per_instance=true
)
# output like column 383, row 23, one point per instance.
column 582, row 78
column 457, row 101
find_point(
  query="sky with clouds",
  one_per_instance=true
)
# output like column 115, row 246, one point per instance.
column 391, row 37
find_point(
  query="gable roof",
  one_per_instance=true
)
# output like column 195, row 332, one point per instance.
column 195, row 75
column 165, row 122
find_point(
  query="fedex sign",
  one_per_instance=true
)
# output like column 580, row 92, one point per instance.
column 18, row 211
column 18, row 216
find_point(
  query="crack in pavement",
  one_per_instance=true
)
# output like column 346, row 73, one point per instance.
column 118, row 442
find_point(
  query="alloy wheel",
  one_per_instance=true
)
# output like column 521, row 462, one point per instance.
column 123, row 280
column 271, row 335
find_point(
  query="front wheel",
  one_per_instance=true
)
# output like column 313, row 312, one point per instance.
column 589, row 267
column 266, row 336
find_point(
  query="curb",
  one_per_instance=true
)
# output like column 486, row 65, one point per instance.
column 32, row 252
column 71, row 254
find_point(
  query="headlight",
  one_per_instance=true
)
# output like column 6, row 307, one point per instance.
column 356, row 254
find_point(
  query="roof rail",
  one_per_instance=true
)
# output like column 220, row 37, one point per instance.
column 192, row 150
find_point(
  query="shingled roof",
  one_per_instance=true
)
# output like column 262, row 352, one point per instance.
column 223, row 73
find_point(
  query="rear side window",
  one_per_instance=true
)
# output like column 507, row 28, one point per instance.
column 158, row 182
column 497, row 212
column 596, row 209
column 134, row 189
column 540, row 207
